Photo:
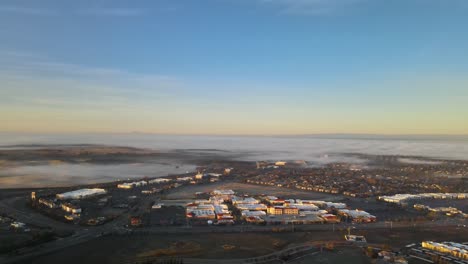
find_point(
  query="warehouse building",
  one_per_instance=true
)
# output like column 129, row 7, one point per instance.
column 252, row 207
column 330, row 218
column 71, row 208
column 158, row 180
column 80, row 194
column 404, row 198
column 457, row 250
column 48, row 203
column 283, row 210
column 358, row 216
column 222, row 195
column 130, row 185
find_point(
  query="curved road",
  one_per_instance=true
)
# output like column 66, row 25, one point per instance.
column 82, row 234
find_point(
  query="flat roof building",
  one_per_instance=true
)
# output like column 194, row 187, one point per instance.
column 283, row 210
column 80, row 194
column 71, row 208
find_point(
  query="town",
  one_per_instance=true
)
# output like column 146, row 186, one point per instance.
column 386, row 176
column 275, row 196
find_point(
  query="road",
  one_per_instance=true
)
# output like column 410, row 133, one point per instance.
column 295, row 228
column 17, row 208
column 279, row 256
column 82, row 234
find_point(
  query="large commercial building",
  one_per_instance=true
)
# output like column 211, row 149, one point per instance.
column 80, row 194
column 283, row 210
column 159, row 180
column 48, row 203
column 209, row 209
column 457, row 250
column 130, row 185
column 358, row 216
column 222, row 195
column 71, row 208
column 404, row 198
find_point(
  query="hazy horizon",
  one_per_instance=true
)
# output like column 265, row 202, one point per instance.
column 317, row 151
column 280, row 127
column 428, row 136
column 234, row 67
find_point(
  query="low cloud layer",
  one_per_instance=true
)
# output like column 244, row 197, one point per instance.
column 316, row 151
column 72, row 174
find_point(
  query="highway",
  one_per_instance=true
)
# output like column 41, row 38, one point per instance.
column 276, row 257
column 16, row 208
column 80, row 236
column 117, row 226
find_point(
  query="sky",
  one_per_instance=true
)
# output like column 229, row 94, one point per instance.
column 234, row 66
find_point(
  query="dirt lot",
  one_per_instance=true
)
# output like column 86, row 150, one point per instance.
column 10, row 239
column 349, row 255
column 167, row 215
column 188, row 192
column 383, row 211
column 115, row 249
column 398, row 238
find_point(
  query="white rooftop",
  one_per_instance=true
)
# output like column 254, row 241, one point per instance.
column 82, row 193
column 223, row 192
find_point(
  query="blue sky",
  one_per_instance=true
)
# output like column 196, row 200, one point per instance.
column 235, row 66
